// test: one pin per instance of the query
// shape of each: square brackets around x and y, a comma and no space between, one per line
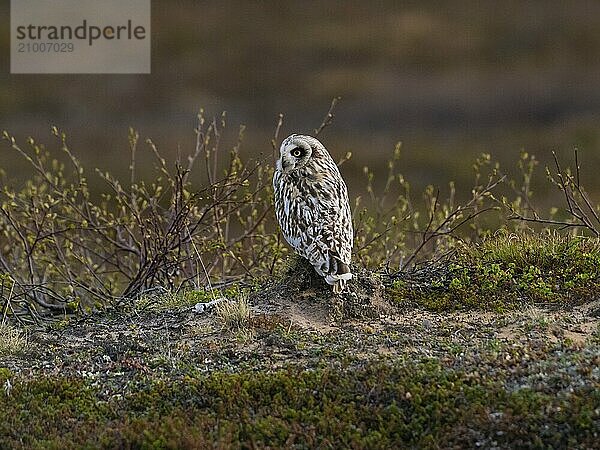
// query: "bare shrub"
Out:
[392,232]
[66,251]
[578,211]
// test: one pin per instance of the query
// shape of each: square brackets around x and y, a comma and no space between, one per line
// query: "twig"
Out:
[578,204]
[328,117]
[275,139]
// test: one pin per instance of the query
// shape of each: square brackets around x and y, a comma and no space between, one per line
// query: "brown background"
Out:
[448,79]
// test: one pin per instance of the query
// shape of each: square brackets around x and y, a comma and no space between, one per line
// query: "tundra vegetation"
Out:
[167,312]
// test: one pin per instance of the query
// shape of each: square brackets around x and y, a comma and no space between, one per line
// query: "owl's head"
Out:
[296,152]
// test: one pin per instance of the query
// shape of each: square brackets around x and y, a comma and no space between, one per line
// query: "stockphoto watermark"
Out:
[84,32]
[80,36]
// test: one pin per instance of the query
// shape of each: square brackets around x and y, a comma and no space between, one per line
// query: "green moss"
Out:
[508,270]
[174,300]
[192,297]
[377,405]
[186,298]
[61,324]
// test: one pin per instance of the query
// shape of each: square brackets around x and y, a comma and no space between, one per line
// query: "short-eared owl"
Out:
[311,204]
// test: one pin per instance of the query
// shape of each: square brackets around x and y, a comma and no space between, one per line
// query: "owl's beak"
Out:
[285,165]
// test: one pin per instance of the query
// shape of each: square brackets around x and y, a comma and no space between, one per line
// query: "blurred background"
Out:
[450,80]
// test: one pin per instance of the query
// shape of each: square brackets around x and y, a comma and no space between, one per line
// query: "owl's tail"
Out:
[338,276]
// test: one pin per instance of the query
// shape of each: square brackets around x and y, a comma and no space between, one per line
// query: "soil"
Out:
[297,320]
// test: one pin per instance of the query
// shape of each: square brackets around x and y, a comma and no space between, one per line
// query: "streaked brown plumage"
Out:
[311,204]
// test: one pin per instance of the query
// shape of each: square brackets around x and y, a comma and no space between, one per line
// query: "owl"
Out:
[311,205]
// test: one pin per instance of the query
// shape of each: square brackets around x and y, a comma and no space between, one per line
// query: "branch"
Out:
[328,117]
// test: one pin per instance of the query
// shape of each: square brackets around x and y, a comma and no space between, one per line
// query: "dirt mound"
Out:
[303,297]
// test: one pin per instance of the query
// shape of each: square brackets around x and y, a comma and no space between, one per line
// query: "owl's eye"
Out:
[296,153]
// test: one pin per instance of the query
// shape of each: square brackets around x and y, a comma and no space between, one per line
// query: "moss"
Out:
[197,296]
[174,300]
[61,324]
[377,405]
[506,271]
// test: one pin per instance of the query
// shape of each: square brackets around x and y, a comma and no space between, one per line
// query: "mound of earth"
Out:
[303,297]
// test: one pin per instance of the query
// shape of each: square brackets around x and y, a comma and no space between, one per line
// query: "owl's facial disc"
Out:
[294,155]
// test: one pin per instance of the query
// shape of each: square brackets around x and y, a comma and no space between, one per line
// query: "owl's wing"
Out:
[331,232]
[336,216]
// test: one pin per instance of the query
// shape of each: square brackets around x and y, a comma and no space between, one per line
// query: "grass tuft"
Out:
[234,315]
[12,340]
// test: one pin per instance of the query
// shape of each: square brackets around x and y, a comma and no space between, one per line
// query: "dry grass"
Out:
[234,315]
[12,340]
